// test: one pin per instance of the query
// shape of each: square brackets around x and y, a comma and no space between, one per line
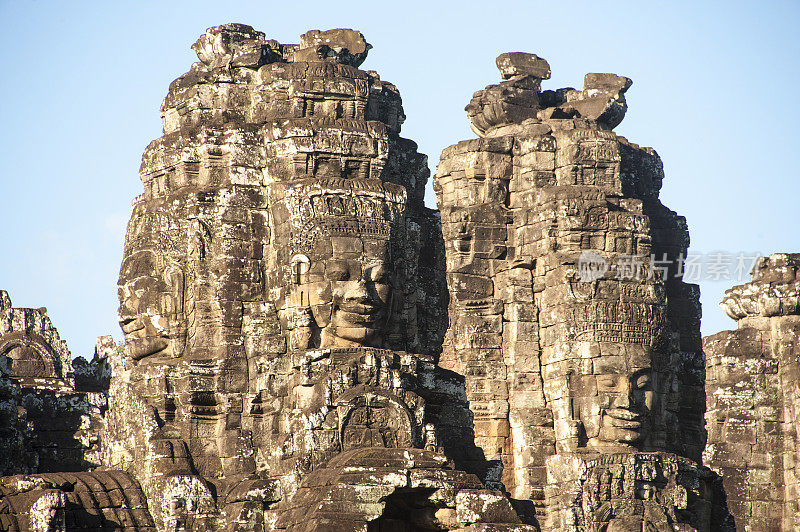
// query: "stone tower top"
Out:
[235,45]
[773,291]
[518,102]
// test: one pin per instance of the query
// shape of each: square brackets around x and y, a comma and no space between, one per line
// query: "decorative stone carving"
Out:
[335,246]
[375,420]
[31,348]
[752,383]
[396,489]
[53,502]
[51,407]
[632,491]
[282,290]
[288,362]
[151,310]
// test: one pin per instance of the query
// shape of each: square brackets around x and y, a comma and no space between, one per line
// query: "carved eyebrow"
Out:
[641,381]
[605,379]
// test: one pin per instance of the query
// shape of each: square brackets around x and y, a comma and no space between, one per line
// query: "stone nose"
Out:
[356,291]
[624,399]
[128,305]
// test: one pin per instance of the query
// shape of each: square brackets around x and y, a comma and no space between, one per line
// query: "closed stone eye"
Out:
[337,272]
[607,382]
[377,273]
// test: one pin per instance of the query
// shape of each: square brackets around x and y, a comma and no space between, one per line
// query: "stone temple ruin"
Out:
[308,347]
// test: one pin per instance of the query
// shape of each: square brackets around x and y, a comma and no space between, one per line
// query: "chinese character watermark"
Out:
[591,266]
[692,268]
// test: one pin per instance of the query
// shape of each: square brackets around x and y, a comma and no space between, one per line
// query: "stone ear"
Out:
[175,281]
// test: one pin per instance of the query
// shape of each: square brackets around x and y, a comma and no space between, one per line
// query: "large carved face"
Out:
[616,402]
[151,306]
[335,239]
[349,292]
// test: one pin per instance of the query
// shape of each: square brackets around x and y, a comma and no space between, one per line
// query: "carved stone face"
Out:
[151,306]
[349,292]
[616,400]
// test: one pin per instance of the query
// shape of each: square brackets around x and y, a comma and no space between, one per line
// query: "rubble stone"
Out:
[518,98]
[519,63]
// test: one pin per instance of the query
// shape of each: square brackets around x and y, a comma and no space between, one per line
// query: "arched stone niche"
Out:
[26,355]
[375,418]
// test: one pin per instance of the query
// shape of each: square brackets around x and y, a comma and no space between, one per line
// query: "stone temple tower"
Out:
[283,300]
[753,386]
[579,340]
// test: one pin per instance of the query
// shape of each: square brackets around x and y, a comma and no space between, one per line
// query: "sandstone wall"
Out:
[753,378]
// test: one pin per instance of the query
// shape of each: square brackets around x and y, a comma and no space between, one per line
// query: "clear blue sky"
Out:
[81,84]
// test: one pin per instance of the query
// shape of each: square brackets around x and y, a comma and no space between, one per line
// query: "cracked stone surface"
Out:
[283,302]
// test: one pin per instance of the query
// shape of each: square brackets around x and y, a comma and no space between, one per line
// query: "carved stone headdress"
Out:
[307,211]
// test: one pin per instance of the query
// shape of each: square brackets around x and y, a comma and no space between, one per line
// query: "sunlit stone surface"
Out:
[308,347]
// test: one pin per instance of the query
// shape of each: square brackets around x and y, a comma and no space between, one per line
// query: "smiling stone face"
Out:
[615,403]
[625,403]
[340,249]
[151,306]
[349,293]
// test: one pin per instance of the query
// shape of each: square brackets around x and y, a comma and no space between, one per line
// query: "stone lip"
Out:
[773,291]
